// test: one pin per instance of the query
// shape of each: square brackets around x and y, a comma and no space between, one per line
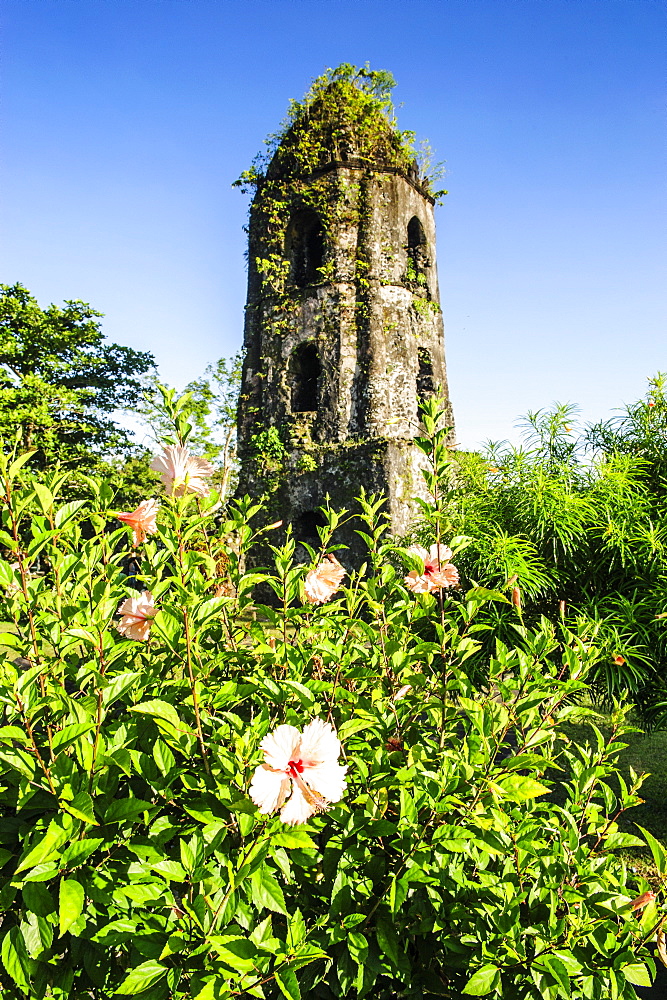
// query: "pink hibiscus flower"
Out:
[137,613]
[141,520]
[182,472]
[323,582]
[303,766]
[438,571]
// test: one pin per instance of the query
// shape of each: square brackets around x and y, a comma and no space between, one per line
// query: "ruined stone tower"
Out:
[344,331]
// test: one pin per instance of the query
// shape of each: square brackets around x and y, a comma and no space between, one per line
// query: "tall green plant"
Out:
[576,521]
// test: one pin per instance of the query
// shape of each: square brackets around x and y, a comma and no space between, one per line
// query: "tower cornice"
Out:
[365,166]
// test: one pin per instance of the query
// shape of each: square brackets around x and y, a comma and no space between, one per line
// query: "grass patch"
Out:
[648,752]
[645,752]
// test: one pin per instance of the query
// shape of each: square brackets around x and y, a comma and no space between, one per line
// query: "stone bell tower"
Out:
[344,332]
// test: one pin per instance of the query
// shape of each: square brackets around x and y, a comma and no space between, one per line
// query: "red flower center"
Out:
[295,766]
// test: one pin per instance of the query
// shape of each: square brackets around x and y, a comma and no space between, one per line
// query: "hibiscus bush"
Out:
[204,796]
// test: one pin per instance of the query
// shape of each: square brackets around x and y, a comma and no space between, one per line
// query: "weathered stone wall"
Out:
[373,306]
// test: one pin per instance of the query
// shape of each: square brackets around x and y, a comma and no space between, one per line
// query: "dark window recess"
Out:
[305,378]
[417,251]
[305,248]
[425,384]
[306,525]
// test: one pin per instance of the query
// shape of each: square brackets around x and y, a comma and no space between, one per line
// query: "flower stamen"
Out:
[313,798]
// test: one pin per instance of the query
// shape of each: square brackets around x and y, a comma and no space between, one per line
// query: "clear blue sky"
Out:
[125,121]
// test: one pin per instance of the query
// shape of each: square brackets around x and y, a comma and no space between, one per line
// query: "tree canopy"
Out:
[61,383]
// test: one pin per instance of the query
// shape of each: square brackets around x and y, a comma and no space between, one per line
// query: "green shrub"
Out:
[577,522]
[473,853]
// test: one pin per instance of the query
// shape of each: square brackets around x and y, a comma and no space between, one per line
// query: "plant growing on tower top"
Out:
[347,114]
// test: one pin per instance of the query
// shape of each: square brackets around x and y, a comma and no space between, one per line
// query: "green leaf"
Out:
[115,932]
[250,580]
[7,577]
[210,607]
[85,635]
[172,871]
[19,463]
[517,788]
[205,811]
[168,626]
[266,891]
[483,981]
[409,815]
[572,966]
[164,758]
[262,934]
[70,734]
[38,899]
[618,839]
[71,900]
[209,991]
[559,971]
[296,930]
[44,872]
[234,950]
[8,734]
[288,984]
[15,958]
[141,978]
[44,496]
[357,946]
[67,512]
[452,838]
[79,851]
[20,761]
[388,940]
[55,836]
[11,641]
[657,850]
[81,806]
[305,696]
[355,725]
[8,542]
[637,974]
[398,890]
[37,933]
[158,709]
[296,839]
[125,809]
[119,686]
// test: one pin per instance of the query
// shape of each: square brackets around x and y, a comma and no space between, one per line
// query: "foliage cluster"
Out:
[63,389]
[132,861]
[61,384]
[211,403]
[577,521]
[346,114]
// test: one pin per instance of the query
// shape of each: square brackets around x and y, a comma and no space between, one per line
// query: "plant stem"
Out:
[193,689]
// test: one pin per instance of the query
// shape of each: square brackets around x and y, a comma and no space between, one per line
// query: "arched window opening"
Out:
[417,252]
[305,248]
[305,372]
[306,525]
[416,237]
[425,383]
